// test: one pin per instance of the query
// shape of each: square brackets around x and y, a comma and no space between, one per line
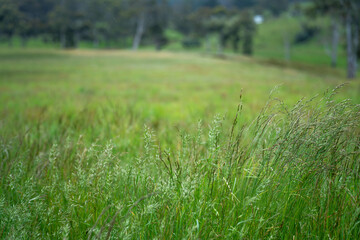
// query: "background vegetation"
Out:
[318,31]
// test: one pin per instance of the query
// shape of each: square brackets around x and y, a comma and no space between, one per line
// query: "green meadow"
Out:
[102,144]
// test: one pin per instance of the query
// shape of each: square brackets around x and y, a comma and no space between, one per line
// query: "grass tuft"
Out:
[290,173]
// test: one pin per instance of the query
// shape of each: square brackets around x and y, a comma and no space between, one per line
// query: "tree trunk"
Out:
[139,31]
[351,56]
[335,42]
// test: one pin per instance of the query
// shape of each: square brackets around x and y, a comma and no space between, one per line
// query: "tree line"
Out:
[70,21]
[132,23]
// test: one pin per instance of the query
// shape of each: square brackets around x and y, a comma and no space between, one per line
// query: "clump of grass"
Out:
[291,173]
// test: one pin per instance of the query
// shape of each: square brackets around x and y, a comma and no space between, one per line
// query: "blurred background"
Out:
[316,32]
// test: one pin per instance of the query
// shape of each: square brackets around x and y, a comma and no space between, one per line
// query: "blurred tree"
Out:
[140,9]
[207,3]
[9,19]
[181,10]
[248,32]
[226,3]
[228,25]
[151,19]
[198,21]
[351,9]
[33,17]
[276,7]
[114,20]
[198,27]
[216,23]
[233,30]
[348,11]
[139,30]
[67,19]
[96,21]
[108,21]
[159,22]
[243,4]
[319,9]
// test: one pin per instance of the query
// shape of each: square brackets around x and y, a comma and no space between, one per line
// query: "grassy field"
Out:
[123,145]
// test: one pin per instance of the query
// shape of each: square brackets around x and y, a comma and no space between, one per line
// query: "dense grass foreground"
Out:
[289,174]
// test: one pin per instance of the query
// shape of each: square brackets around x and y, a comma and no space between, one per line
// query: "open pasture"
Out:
[124,145]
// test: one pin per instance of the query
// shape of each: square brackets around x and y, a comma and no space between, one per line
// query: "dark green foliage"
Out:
[248,31]
[157,21]
[244,4]
[307,33]
[9,18]
[157,32]
[230,26]
[70,22]
[191,43]
[34,16]
[103,22]
[198,21]
[276,7]
[208,3]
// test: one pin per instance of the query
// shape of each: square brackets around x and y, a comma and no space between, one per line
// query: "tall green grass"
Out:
[291,173]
